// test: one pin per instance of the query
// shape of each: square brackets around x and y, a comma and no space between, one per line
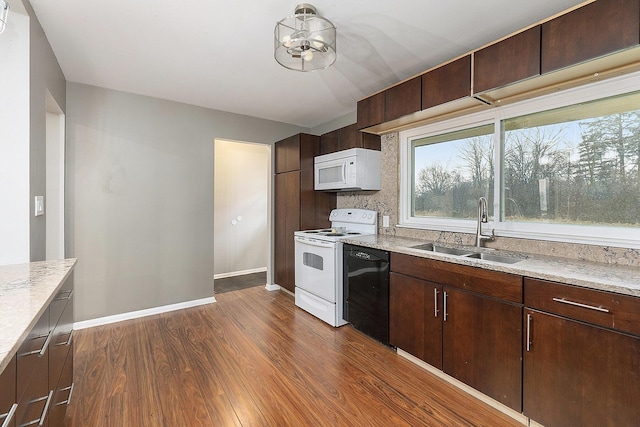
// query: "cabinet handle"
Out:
[528,332]
[435,302]
[63,295]
[42,350]
[444,303]
[66,402]
[577,304]
[9,415]
[45,410]
[68,341]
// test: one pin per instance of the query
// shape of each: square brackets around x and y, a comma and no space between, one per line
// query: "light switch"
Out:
[39,205]
[385,221]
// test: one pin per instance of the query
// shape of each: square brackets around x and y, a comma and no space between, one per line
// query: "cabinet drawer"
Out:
[33,353]
[607,309]
[495,284]
[8,392]
[60,344]
[63,394]
[36,399]
[60,301]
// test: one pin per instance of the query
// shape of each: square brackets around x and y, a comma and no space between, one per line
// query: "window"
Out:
[562,167]
[451,171]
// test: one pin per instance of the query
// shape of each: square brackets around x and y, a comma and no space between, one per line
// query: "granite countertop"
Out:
[606,277]
[25,292]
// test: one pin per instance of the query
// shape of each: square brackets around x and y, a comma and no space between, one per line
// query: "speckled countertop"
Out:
[606,277]
[25,292]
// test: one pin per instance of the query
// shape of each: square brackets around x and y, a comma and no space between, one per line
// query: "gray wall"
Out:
[45,74]
[140,196]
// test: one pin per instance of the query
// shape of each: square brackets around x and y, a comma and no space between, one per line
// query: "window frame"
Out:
[628,237]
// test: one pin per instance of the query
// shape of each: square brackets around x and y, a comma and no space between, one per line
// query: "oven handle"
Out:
[313,242]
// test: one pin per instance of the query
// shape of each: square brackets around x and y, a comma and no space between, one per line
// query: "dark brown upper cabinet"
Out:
[447,83]
[371,111]
[594,30]
[508,61]
[288,154]
[403,99]
[346,138]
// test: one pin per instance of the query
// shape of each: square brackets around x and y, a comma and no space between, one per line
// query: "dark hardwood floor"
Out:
[254,359]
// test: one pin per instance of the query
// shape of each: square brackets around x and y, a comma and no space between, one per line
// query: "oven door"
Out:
[316,267]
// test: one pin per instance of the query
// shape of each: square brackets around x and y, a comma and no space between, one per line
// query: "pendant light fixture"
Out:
[305,41]
[4,12]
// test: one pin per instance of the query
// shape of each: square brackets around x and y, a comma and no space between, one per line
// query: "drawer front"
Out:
[8,393]
[63,394]
[607,309]
[34,404]
[495,284]
[32,353]
[60,301]
[60,344]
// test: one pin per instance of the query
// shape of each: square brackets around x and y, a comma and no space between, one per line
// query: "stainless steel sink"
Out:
[495,258]
[441,249]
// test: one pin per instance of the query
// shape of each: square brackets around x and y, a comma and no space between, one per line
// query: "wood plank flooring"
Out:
[236,283]
[254,359]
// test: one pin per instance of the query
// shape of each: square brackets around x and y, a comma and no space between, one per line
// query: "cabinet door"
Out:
[594,30]
[8,393]
[287,221]
[371,111]
[287,156]
[447,83]
[403,99]
[508,61]
[576,374]
[482,345]
[330,142]
[60,344]
[415,318]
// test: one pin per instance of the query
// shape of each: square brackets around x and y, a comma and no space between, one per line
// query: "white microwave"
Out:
[348,170]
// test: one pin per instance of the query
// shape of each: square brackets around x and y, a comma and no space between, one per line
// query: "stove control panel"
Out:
[356,216]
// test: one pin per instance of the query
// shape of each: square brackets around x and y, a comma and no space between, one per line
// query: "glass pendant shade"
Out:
[305,41]
[4,12]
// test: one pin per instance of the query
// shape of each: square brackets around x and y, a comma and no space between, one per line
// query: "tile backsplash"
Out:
[385,202]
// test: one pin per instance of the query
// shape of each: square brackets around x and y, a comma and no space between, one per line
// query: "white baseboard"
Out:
[464,387]
[272,287]
[239,273]
[141,313]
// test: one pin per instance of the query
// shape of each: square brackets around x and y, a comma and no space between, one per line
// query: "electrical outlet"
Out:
[385,221]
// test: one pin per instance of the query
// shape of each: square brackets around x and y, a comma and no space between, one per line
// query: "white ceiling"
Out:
[220,54]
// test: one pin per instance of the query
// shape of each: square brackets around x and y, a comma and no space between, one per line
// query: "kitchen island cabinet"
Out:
[35,344]
[582,358]
[297,205]
[479,312]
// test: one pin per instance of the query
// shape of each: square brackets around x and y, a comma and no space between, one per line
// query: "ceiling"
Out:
[220,54]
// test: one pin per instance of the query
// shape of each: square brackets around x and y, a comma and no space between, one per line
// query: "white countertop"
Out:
[25,292]
[592,275]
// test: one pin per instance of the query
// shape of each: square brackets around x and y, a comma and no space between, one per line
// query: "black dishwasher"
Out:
[366,290]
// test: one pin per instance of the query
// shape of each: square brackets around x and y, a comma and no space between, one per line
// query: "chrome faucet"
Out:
[482,217]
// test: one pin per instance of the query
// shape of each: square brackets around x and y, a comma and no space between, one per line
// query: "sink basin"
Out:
[494,258]
[441,249]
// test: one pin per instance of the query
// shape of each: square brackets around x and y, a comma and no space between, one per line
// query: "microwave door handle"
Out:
[344,172]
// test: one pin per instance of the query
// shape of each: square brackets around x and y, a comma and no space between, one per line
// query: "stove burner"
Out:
[333,234]
[353,232]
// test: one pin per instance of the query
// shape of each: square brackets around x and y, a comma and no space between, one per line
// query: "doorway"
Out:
[242,194]
[54,192]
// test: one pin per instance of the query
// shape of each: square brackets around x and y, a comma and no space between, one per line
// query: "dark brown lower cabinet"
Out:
[8,399]
[469,323]
[63,393]
[415,323]
[576,374]
[482,344]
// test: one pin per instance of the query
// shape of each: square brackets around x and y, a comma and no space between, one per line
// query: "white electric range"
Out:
[318,262]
